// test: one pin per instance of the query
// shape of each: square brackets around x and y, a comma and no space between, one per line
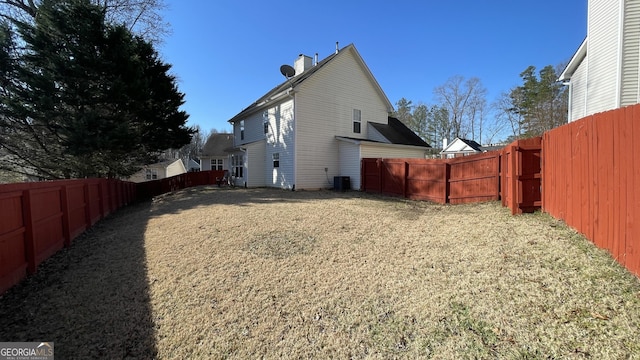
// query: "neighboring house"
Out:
[463,147]
[215,153]
[603,73]
[318,124]
[193,165]
[161,170]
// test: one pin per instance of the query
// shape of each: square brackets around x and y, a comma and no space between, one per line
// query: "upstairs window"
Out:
[276,160]
[265,121]
[241,129]
[357,120]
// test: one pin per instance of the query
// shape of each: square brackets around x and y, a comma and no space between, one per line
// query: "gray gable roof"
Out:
[398,133]
[472,144]
[217,144]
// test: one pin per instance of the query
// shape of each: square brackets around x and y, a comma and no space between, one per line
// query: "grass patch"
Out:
[251,273]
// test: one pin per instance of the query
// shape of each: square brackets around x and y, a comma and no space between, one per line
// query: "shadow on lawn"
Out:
[91,299]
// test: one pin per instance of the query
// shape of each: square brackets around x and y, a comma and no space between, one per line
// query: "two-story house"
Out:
[603,73]
[318,124]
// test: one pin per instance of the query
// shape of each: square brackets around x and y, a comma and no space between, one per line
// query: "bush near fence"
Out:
[38,219]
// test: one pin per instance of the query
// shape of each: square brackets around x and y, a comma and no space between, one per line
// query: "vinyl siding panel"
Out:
[390,151]
[253,129]
[175,168]
[254,164]
[579,92]
[630,53]
[603,55]
[324,109]
[280,139]
[349,154]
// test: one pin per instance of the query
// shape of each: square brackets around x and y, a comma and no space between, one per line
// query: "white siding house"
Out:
[215,155]
[317,125]
[603,73]
[159,170]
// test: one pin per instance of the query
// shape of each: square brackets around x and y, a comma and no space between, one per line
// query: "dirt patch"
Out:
[248,273]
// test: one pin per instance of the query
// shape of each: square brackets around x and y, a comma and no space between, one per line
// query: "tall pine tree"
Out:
[89,99]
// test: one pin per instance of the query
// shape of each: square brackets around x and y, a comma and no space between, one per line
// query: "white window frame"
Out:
[217,164]
[237,166]
[357,121]
[151,174]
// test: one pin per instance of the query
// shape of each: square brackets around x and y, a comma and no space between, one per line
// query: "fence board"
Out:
[13,262]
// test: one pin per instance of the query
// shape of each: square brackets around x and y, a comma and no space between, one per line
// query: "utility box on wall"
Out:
[341,183]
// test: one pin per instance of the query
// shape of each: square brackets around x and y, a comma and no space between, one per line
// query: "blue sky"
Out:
[227,53]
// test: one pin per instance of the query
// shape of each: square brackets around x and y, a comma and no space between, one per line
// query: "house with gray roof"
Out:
[216,152]
[463,147]
[317,124]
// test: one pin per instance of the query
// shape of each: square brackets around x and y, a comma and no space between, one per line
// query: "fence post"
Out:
[380,174]
[405,180]
[514,180]
[87,205]
[447,186]
[29,241]
[66,221]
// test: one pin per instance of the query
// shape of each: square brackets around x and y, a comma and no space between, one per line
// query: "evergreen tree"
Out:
[89,99]
[540,101]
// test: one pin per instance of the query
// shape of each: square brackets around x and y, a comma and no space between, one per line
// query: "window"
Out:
[151,174]
[265,121]
[237,165]
[276,160]
[217,164]
[357,120]
[241,129]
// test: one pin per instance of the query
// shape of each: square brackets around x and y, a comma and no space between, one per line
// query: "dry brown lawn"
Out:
[258,273]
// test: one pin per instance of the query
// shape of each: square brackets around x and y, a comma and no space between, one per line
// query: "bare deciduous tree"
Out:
[141,17]
[462,98]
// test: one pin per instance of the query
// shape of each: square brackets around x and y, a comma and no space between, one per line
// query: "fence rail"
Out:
[39,219]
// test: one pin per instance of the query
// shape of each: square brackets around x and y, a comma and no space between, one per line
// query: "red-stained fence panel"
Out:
[592,180]
[13,261]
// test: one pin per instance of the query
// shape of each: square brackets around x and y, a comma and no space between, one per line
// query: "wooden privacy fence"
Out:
[456,181]
[38,219]
[149,189]
[512,174]
[591,180]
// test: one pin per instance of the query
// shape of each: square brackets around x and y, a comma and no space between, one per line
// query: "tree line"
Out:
[81,94]
[461,109]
